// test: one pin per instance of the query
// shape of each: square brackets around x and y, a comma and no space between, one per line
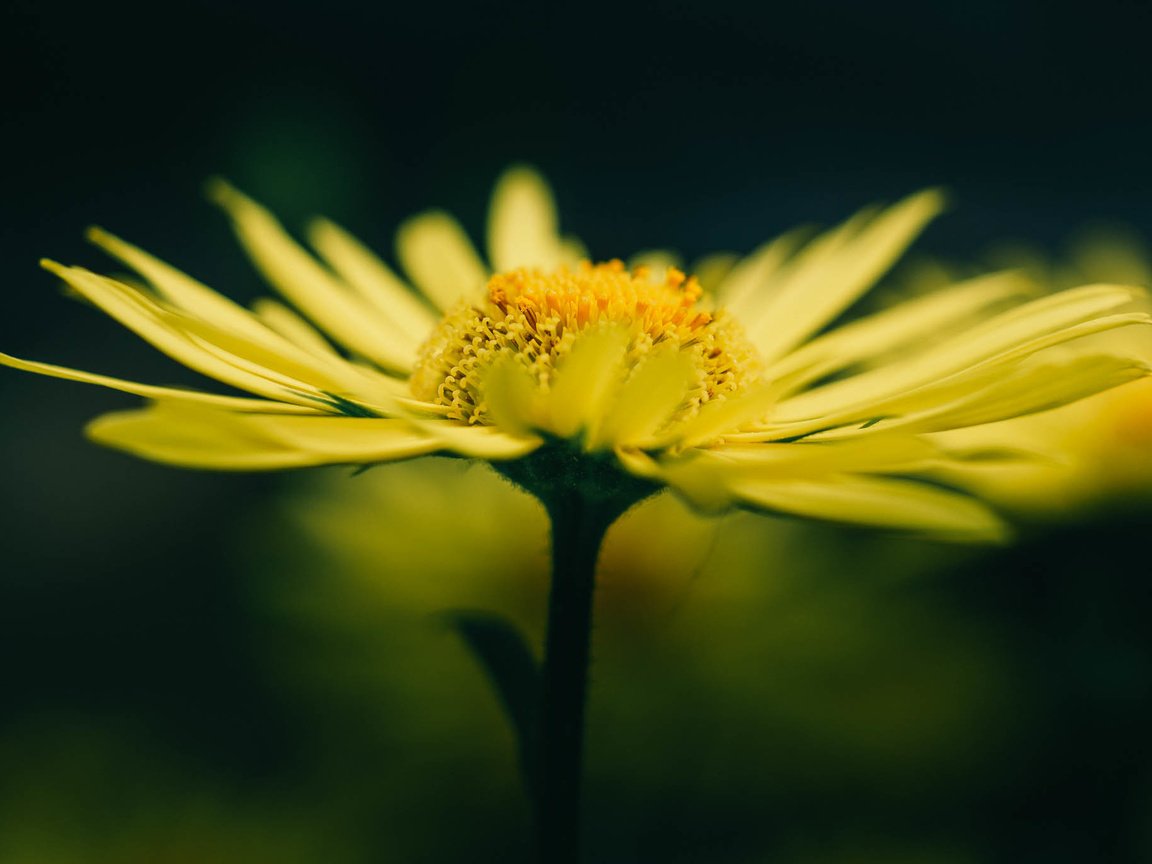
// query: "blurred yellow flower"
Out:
[498,555]
[733,399]
[1097,452]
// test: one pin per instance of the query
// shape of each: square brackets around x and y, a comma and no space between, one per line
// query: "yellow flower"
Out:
[549,365]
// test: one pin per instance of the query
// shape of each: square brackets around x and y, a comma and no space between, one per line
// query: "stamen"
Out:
[536,316]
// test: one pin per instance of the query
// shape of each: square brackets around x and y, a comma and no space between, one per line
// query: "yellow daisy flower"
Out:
[551,366]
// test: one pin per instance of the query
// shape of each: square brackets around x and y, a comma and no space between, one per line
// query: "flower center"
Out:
[538,316]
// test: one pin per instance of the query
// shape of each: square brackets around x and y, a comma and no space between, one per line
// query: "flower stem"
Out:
[578,528]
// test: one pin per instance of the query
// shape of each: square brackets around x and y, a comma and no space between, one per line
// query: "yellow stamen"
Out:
[536,316]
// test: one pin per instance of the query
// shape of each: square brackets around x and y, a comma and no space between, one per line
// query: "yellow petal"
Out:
[285,362]
[904,324]
[141,315]
[883,502]
[182,290]
[645,401]
[1007,337]
[696,480]
[367,383]
[294,328]
[585,379]
[512,397]
[319,294]
[707,478]
[749,277]
[149,391]
[1052,313]
[374,281]
[438,256]
[987,389]
[198,437]
[894,451]
[522,223]
[479,442]
[274,358]
[821,284]
[1037,387]
[331,377]
[728,415]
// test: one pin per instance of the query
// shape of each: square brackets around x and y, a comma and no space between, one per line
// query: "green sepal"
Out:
[559,470]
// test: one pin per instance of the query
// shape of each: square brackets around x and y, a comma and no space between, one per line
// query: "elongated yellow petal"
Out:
[149,391]
[894,451]
[183,291]
[479,442]
[750,276]
[375,282]
[1048,315]
[361,381]
[644,402]
[723,416]
[135,312]
[294,328]
[522,224]
[584,381]
[923,318]
[1011,336]
[438,256]
[319,294]
[773,269]
[199,437]
[285,359]
[954,395]
[819,286]
[707,478]
[340,378]
[692,477]
[883,502]
[513,399]
[1037,387]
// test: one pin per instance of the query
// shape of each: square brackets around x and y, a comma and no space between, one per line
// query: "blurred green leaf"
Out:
[508,661]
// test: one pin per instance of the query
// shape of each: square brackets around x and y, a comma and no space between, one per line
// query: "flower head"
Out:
[552,366]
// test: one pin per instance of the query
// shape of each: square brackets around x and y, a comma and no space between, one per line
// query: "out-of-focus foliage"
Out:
[763,690]
[99,791]
[745,670]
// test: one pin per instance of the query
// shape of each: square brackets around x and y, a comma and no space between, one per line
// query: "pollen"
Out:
[536,316]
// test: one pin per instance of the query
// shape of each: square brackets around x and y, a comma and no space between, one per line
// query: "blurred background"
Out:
[214,668]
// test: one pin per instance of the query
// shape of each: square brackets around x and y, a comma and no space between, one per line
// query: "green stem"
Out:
[583,493]
[578,527]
